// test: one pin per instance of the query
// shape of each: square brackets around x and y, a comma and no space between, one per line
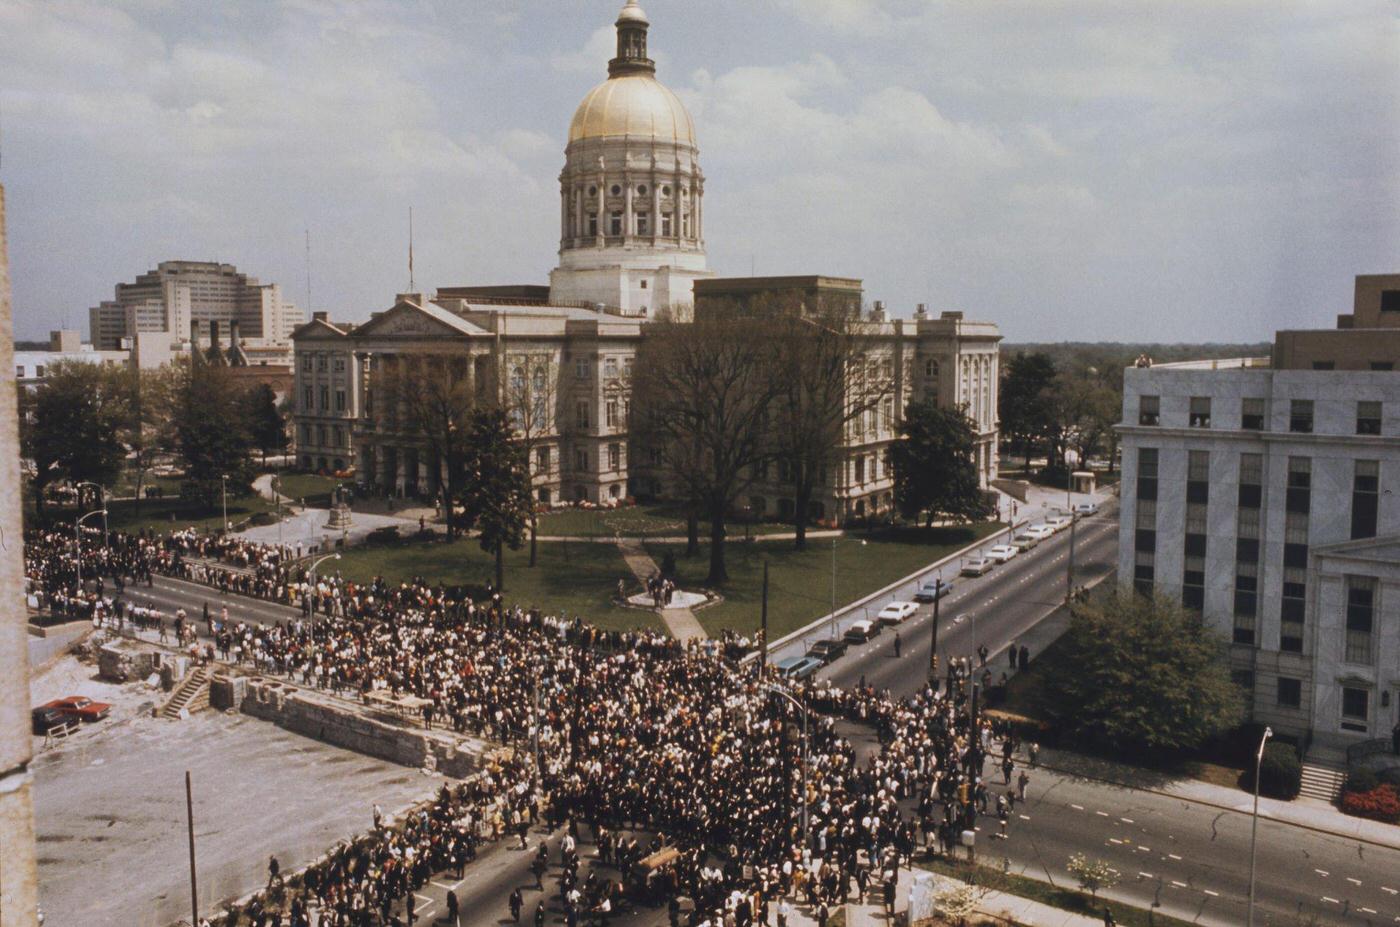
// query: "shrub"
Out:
[1280,773]
[1391,776]
[262,518]
[1380,804]
[1362,779]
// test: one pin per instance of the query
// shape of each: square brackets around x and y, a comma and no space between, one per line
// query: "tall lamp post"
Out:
[311,574]
[223,483]
[78,541]
[933,643]
[1254,827]
[802,708]
[1071,458]
[102,497]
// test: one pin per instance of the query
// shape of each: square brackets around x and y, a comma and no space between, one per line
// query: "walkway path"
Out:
[681,622]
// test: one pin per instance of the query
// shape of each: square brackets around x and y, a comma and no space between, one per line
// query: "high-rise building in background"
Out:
[196,300]
[1256,491]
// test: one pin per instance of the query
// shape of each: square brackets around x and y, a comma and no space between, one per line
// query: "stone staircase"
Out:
[190,695]
[1323,779]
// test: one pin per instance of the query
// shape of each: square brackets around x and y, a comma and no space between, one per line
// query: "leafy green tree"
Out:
[211,434]
[150,432]
[496,494]
[1140,673]
[73,425]
[932,461]
[1025,407]
[267,426]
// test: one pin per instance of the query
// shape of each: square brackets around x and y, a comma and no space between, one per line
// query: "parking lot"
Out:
[110,812]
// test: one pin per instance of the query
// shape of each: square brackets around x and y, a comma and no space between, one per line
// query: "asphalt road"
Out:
[995,610]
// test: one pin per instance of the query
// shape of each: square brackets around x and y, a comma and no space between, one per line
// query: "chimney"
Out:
[878,313]
[921,312]
[233,334]
[320,316]
[194,333]
[214,334]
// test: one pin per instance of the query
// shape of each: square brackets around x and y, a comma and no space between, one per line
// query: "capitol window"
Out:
[642,189]
[666,191]
[593,223]
[615,224]
[616,190]
[642,223]
[665,223]
[592,191]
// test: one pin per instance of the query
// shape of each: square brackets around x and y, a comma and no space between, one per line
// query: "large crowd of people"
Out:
[633,730]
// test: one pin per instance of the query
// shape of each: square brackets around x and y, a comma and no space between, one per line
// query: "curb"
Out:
[1211,804]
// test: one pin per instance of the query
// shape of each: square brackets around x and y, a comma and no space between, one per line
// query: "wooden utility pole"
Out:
[189,821]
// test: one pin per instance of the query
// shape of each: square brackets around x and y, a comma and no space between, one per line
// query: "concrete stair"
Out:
[1323,779]
[191,695]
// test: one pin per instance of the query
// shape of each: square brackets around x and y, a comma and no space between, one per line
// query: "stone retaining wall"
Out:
[341,725]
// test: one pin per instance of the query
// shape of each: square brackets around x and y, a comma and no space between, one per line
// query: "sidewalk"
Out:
[681,622]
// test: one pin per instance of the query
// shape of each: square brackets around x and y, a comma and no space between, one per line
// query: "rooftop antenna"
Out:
[410,249]
[308,270]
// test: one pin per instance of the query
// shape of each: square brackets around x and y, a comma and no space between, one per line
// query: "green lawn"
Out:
[799,583]
[309,487]
[638,521]
[578,579]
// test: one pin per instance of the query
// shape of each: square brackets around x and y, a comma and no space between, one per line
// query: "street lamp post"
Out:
[1254,827]
[933,643]
[1071,458]
[102,497]
[223,482]
[78,541]
[311,574]
[802,708]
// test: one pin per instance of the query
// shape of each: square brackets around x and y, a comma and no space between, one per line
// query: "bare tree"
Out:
[825,382]
[438,396]
[531,407]
[702,391]
[150,432]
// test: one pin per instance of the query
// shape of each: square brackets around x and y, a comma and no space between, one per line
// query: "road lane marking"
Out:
[1332,900]
[1147,875]
[1370,910]
[1173,856]
[1024,817]
[1211,893]
[1102,814]
[1077,807]
[1178,884]
[1390,890]
[1115,840]
[444,885]
[1127,820]
[1322,872]
[1144,849]
[1353,881]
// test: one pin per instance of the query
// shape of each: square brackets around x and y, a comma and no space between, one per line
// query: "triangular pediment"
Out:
[410,320]
[1381,550]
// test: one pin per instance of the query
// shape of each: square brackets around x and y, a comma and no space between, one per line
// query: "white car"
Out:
[1039,532]
[1058,522]
[1024,542]
[1001,553]
[1085,509]
[977,566]
[897,612]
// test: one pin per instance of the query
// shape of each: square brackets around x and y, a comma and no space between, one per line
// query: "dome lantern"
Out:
[631,57]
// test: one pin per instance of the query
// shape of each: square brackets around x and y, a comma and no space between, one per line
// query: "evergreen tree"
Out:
[267,426]
[934,472]
[1025,406]
[211,434]
[496,494]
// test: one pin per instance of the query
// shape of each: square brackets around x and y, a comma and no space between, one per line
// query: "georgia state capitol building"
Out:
[632,245]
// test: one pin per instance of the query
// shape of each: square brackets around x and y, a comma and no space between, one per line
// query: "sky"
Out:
[1089,170]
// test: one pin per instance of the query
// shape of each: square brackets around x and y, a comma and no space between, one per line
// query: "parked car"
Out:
[1085,509]
[1039,531]
[977,566]
[1024,542]
[80,707]
[861,631]
[1058,522]
[828,649]
[52,721]
[806,666]
[1002,553]
[897,612]
[931,589]
[785,667]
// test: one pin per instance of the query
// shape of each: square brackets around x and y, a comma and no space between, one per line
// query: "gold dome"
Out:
[634,105]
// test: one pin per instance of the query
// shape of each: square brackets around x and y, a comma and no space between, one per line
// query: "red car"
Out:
[80,707]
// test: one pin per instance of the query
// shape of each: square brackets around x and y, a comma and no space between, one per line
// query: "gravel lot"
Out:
[109,805]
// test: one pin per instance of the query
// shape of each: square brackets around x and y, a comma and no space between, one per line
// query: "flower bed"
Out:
[1381,803]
